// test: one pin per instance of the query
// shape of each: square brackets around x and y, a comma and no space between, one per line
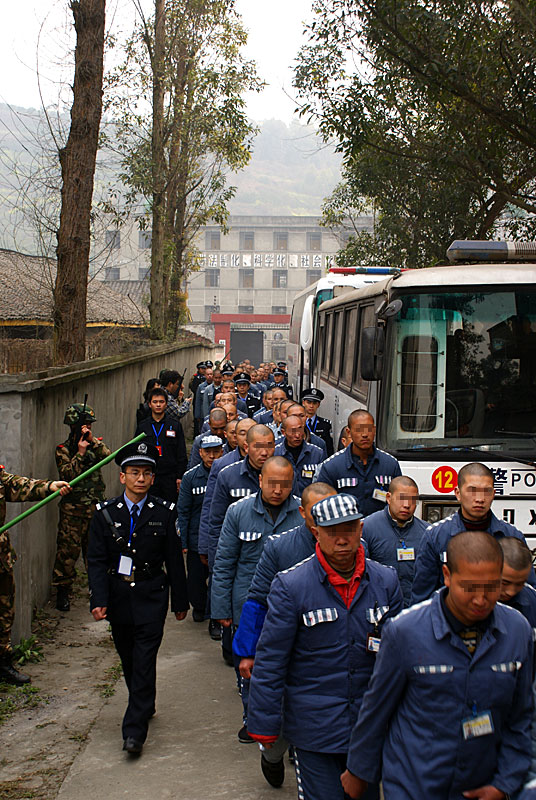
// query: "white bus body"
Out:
[455,378]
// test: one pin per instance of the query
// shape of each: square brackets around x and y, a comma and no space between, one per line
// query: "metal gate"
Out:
[247,344]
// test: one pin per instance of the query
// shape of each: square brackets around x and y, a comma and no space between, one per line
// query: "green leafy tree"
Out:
[185,64]
[434,161]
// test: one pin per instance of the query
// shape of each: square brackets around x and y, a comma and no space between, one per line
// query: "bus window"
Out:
[367,320]
[336,346]
[418,385]
[349,348]
[326,344]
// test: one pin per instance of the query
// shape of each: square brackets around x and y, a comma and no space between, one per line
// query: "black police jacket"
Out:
[154,542]
[173,459]
[322,427]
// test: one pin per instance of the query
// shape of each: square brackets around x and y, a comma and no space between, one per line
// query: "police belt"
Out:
[138,575]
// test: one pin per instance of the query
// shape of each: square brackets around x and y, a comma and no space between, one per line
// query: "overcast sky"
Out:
[275,35]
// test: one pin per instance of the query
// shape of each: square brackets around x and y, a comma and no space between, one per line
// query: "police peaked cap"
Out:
[282,364]
[209,364]
[137,454]
[279,371]
[242,377]
[200,365]
[312,394]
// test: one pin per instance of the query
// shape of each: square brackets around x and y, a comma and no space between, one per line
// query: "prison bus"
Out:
[445,360]
[304,316]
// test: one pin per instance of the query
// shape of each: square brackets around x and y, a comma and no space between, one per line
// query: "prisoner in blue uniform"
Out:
[217,421]
[515,592]
[393,535]
[448,708]
[189,505]
[318,647]
[361,469]
[304,457]
[475,494]
[246,526]
[238,480]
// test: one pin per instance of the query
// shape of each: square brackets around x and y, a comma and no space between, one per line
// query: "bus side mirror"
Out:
[372,347]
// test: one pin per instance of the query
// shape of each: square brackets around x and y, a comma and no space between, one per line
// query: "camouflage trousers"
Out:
[7,608]
[73,529]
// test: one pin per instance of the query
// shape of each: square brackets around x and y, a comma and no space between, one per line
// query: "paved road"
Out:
[192,750]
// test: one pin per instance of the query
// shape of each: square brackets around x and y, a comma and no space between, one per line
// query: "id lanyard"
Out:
[309,424]
[158,447]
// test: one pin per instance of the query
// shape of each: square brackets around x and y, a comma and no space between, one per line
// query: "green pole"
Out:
[74,481]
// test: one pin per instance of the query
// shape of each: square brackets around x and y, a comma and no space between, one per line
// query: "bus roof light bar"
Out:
[474,250]
[364,271]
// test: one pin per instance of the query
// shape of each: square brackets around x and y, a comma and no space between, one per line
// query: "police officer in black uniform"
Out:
[132,539]
[280,380]
[252,401]
[194,384]
[310,400]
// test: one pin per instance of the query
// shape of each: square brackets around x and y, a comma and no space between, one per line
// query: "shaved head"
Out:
[473,547]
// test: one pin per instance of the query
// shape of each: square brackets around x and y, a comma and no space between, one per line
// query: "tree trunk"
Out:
[157,304]
[77,160]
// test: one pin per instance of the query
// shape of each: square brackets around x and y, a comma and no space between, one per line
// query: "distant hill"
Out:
[290,173]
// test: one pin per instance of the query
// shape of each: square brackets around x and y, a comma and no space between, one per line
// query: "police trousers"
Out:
[137,646]
[318,776]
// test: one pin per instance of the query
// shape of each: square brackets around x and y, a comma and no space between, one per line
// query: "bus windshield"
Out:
[462,372]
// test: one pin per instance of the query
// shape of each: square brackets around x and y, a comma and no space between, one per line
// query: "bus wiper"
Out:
[469,448]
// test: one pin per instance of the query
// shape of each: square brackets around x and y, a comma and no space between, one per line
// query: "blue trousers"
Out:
[318,776]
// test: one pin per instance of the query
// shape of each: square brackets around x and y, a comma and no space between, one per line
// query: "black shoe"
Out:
[243,736]
[8,674]
[62,599]
[132,746]
[273,772]
[228,658]
[198,616]
[214,628]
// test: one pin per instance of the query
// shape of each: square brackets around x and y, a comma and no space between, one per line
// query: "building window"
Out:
[145,239]
[246,278]
[279,352]
[143,273]
[314,242]
[212,278]
[112,274]
[212,240]
[247,240]
[279,279]
[213,309]
[279,309]
[113,239]
[313,275]
[245,310]
[280,240]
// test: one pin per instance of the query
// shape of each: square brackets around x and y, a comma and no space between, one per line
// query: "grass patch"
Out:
[12,790]
[28,651]
[13,698]
[112,675]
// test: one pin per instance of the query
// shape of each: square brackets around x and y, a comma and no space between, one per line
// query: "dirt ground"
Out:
[42,728]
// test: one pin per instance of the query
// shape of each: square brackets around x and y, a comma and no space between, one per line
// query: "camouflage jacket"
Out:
[92,489]
[16,489]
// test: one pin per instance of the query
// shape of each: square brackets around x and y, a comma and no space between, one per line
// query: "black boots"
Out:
[62,599]
[8,673]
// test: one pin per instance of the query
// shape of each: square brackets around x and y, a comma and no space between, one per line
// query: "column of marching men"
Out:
[369,648]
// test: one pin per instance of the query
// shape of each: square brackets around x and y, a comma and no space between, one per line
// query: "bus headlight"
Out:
[433,513]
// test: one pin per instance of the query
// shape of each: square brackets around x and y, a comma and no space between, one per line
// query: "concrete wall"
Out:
[32,408]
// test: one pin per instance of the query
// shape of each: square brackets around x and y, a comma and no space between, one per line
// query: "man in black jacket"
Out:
[131,539]
[167,436]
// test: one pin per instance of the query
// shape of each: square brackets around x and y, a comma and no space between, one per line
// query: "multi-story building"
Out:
[247,277]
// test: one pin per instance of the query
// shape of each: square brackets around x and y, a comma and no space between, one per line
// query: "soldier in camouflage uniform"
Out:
[15,489]
[77,454]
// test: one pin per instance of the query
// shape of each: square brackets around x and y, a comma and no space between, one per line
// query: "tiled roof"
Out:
[26,285]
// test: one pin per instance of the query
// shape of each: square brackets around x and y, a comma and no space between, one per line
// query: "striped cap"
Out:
[210,441]
[336,509]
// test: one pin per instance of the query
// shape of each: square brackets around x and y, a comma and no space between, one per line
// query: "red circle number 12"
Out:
[444,479]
